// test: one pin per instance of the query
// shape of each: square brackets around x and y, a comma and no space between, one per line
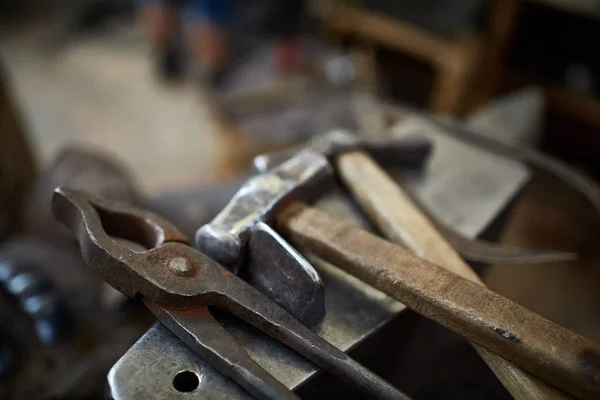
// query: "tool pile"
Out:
[177,281]
[262,258]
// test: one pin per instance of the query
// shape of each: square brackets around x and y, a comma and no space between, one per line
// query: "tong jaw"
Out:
[163,273]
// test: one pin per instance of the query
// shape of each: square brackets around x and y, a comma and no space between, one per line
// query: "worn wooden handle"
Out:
[482,316]
[401,221]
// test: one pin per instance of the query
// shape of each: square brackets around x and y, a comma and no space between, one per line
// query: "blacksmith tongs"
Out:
[177,282]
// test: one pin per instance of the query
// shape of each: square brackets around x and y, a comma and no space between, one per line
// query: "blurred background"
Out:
[164,102]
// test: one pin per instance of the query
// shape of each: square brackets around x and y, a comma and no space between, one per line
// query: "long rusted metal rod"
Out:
[539,346]
[400,220]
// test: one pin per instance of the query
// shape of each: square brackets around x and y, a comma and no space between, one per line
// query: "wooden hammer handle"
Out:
[401,221]
[482,316]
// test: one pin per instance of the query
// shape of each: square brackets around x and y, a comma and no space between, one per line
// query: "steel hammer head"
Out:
[302,177]
[273,266]
[405,151]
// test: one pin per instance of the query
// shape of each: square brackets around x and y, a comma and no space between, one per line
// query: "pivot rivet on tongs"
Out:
[181,266]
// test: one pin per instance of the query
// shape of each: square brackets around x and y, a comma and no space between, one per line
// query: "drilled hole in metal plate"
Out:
[186,381]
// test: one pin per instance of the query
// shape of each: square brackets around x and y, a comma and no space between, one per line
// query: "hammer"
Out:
[493,322]
[294,284]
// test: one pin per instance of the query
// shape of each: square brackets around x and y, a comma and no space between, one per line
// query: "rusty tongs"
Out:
[177,282]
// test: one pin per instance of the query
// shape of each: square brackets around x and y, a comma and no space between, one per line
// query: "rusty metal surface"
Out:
[354,312]
[147,370]
[178,282]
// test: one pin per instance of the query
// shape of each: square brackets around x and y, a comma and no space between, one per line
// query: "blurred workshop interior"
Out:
[164,104]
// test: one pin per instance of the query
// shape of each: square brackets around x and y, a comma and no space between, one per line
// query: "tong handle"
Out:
[209,339]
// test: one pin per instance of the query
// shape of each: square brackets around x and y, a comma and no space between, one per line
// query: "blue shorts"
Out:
[212,11]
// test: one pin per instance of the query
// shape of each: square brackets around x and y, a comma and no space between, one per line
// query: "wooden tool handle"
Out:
[401,221]
[482,316]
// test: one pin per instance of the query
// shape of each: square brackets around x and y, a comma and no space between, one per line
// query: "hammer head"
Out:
[303,177]
[407,152]
[272,265]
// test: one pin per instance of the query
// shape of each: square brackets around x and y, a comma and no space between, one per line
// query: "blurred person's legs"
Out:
[209,22]
[161,19]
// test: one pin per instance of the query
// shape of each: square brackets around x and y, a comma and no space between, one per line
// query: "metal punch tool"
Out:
[177,282]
